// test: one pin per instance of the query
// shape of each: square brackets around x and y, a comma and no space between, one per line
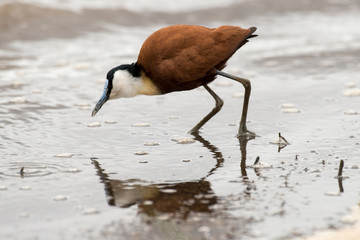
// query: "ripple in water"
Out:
[33,169]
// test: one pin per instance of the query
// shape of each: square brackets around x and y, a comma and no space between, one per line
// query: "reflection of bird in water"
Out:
[179,199]
[179,58]
[214,150]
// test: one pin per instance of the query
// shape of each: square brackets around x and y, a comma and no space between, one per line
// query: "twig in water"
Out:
[257,160]
[341,166]
[283,140]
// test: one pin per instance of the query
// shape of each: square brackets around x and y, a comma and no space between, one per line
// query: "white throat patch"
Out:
[124,85]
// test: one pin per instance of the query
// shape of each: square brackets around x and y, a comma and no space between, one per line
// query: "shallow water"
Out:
[122,175]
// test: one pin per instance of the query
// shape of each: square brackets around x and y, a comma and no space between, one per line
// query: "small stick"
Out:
[341,168]
[22,172]
[341,187]
[282,139]
[257,160]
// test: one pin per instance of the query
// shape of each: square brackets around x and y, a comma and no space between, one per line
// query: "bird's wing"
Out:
[184,53]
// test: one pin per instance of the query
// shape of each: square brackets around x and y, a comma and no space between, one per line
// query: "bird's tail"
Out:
[252,29]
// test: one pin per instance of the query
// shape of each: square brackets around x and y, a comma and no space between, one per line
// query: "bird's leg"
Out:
[218,105]
[243,131]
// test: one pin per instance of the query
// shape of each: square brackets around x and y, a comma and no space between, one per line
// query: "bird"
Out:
[180,58]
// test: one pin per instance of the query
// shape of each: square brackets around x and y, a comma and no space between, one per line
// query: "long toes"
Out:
[194,131]
[246,134]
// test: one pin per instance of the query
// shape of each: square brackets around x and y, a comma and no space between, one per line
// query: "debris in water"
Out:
[186,160]
[64,155]
[18,100]
[90,211]
[350,84]
[59,198]
[288,105]
[350,219]
[151,144]
[26,188]
[315,170]
[141,153]
[37,91]
[341,166]
[340,177]
[291,110]
[143,161]
[238,95]
[332,194]
[22,172]
[111,121]
[183,140]
[350,112]
[94,124]
[351,92]
[140,125]
[260,164]
[281,141]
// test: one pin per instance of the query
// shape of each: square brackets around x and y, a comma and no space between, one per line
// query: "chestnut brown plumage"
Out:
[178,58]
[184,57]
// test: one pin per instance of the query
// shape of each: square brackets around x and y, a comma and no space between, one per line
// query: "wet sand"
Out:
[133,171]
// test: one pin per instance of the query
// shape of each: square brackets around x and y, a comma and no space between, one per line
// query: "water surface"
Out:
[127,178]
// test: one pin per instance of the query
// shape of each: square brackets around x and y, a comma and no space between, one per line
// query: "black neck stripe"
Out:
[134,69]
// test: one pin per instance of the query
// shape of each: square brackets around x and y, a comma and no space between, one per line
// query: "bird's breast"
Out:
[147,86]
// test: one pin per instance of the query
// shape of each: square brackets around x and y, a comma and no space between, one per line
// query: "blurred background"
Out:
[65,175]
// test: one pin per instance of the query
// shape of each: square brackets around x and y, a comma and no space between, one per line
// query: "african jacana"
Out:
[179,58]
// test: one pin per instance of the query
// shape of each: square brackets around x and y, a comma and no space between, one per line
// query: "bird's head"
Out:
[121,81]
